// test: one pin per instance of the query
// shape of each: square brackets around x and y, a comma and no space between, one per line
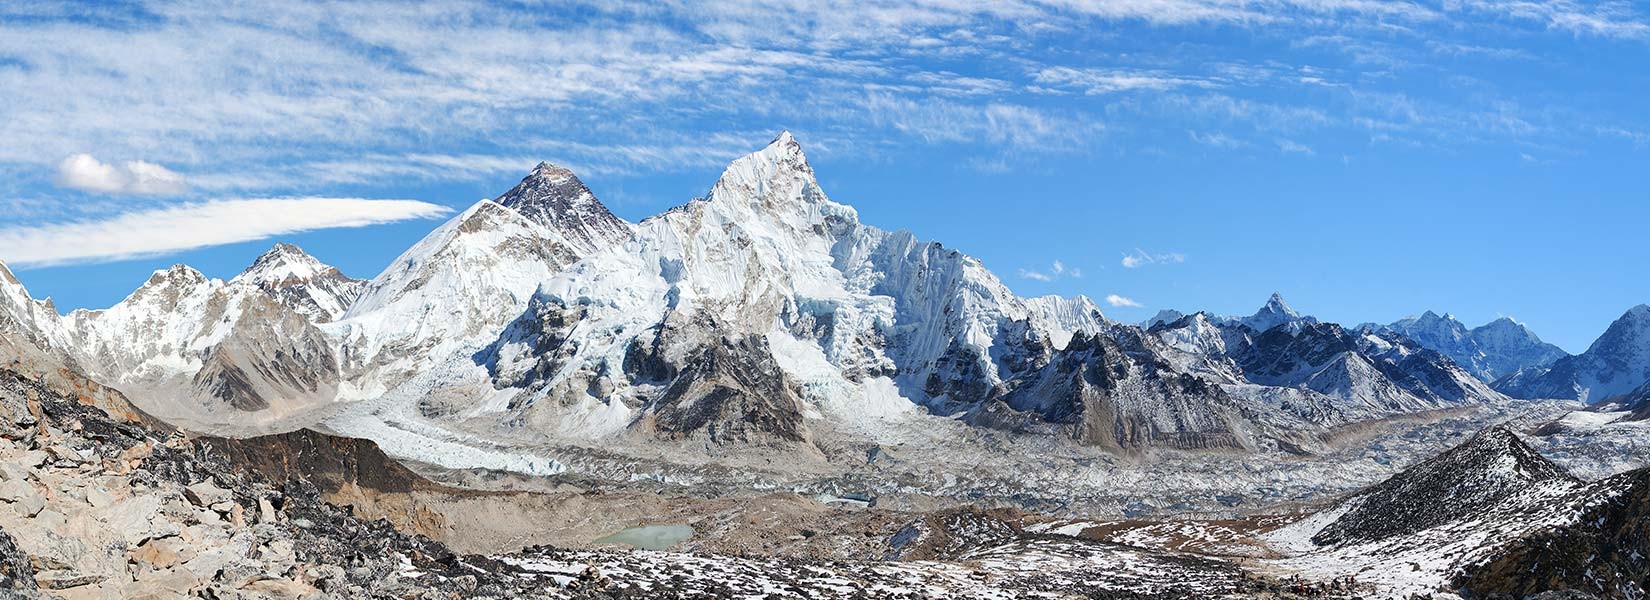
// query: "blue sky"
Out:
[1369,159]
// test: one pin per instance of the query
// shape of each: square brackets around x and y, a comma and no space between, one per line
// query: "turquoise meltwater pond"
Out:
[650,537]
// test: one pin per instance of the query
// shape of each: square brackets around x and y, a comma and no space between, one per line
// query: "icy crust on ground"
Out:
[941,462]
[1029,567]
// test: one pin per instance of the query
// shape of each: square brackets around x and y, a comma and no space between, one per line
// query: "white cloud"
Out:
[1294,147]
[1117,301]
[1055,271]
[86,173]
[191,226]
[1140,258]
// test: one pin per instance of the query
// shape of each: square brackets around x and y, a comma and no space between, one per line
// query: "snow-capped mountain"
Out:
[1272,314]
[761,314]
[1167,315]
[1317,370]
[207,353]
[28,325]
[301,282]
[840,320]
[453,292]
[33,337]
[1490,352]
[225,356]
[1616,363]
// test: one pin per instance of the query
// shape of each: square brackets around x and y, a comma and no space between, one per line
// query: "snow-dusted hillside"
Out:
[1491,516]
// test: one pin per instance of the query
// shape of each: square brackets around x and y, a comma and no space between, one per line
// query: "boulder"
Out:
[23,496]
[139,519]
[61,579]
[205,494]
[99,497]
[163,553]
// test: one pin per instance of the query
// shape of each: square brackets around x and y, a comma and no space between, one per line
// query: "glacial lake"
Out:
[649,537]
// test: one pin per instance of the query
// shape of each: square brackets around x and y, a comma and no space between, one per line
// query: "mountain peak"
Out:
[283,264]
[781,156]
[1627,339]
[548,193]
[554,197]
[1276,312]
[5,274]
[177,273]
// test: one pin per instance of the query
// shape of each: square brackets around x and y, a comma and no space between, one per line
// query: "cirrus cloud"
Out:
[196,225]
[1140,258]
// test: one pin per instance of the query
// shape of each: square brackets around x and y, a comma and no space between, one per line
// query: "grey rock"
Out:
[65,578]
[205,494]
[23,496]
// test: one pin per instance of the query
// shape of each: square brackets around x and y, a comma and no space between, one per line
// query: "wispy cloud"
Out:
[1294,147]
[197,225]
[86,173]
[1056,270]
[1140,258]
[1105,81]
[1117,301]
[300,94]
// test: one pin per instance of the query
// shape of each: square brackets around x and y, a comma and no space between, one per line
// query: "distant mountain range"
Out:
[761,316]
[1491,351]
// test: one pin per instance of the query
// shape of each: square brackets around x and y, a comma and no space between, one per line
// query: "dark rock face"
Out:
[326,461]
[554,197]
[15,571]
[949,534]
[730,391]
[546,328]
[276,356]
[1115,393]
[1638,403]
[1605,553]
[1469,480]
